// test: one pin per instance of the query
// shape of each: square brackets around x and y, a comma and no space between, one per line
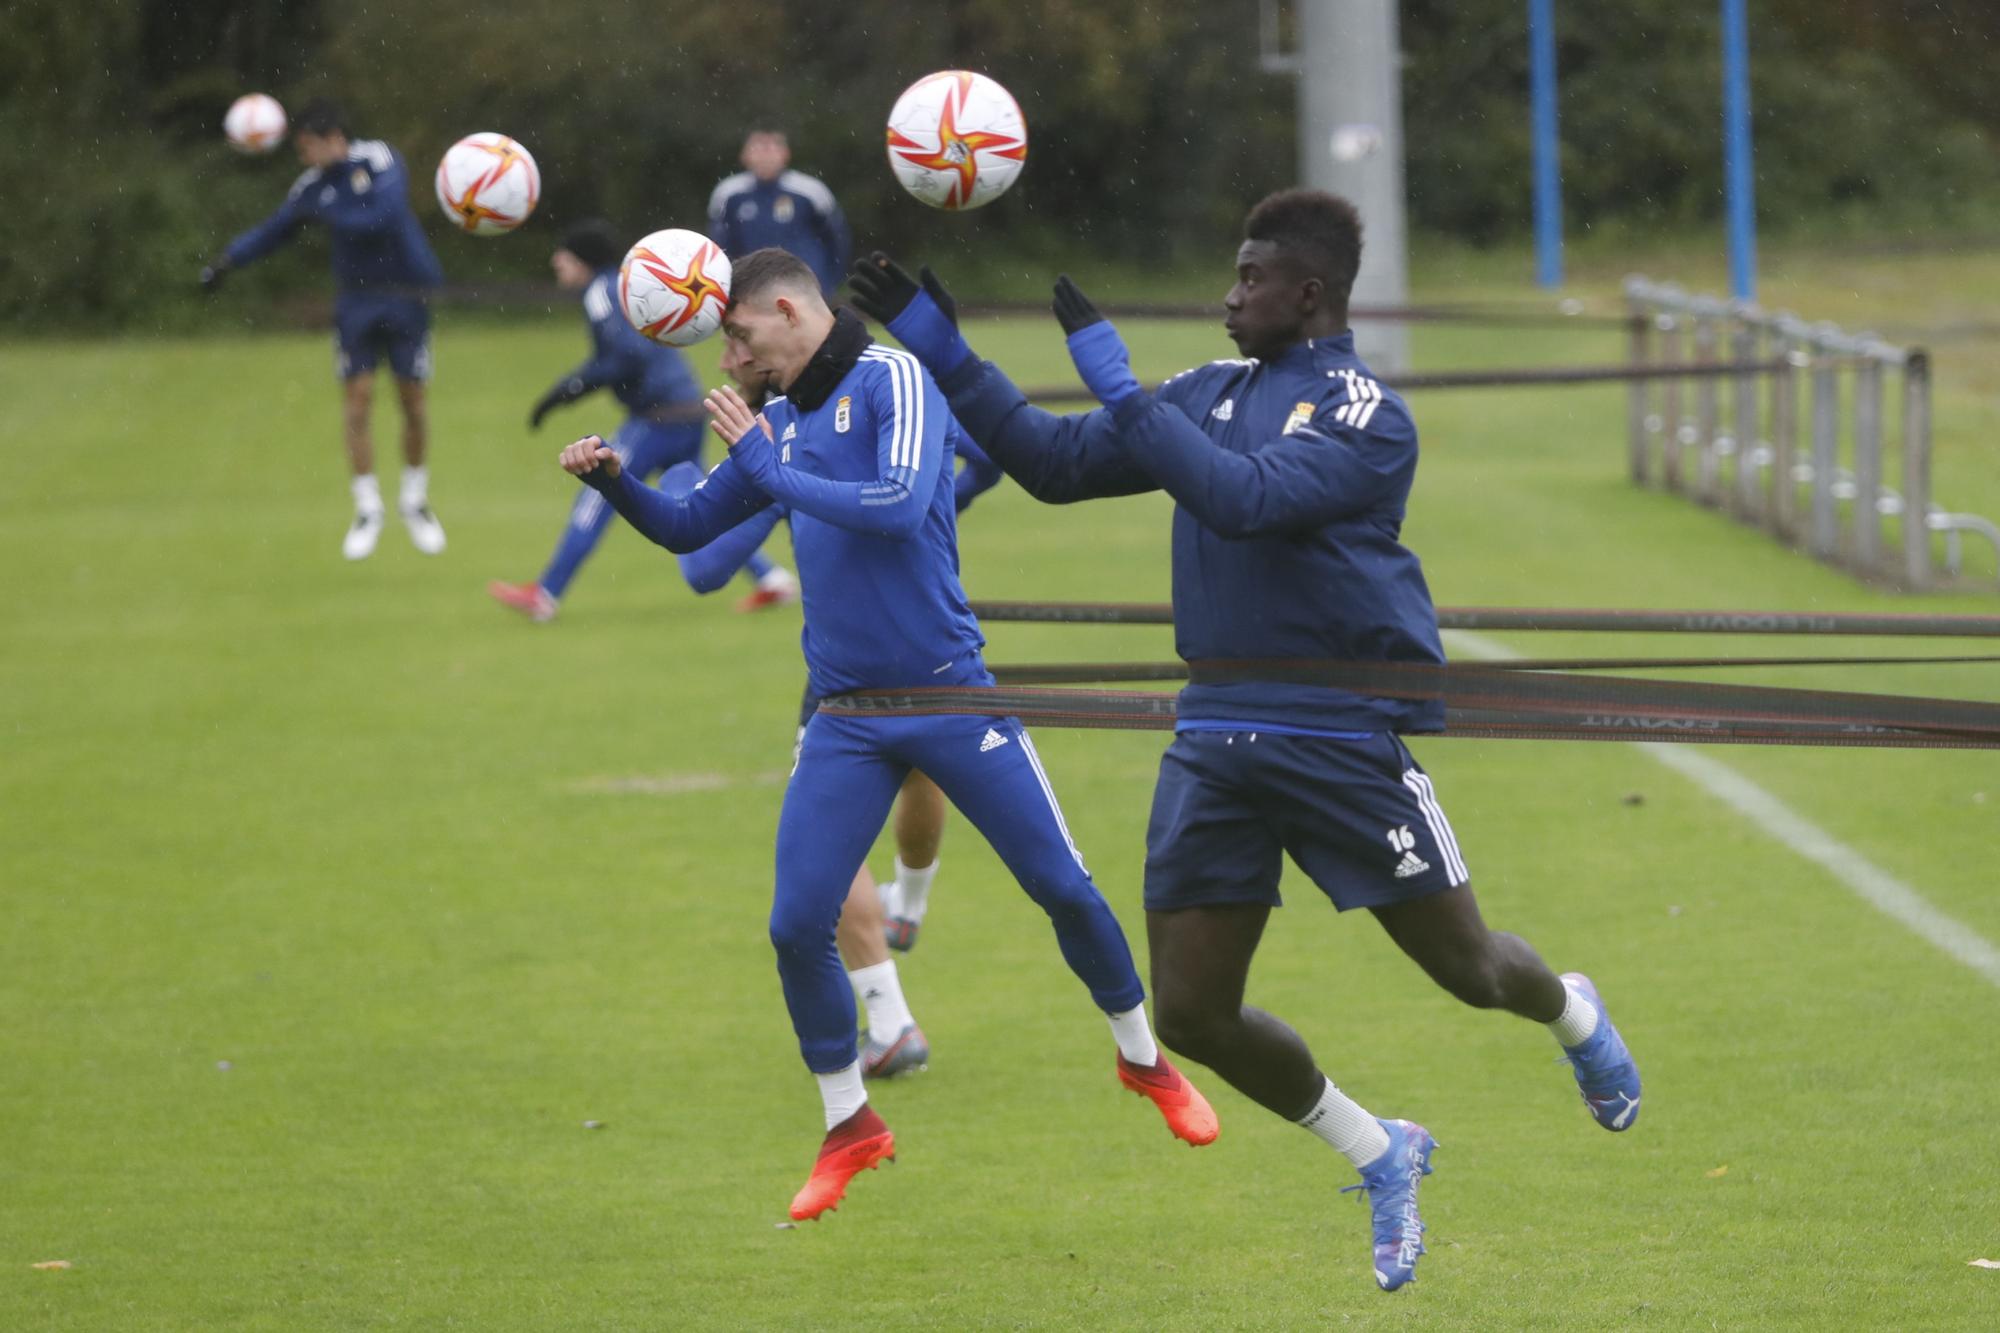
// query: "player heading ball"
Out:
[383,271]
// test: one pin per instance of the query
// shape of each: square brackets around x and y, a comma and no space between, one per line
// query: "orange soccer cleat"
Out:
[530,599]
[1187,1112]
[859,1143]
[778,587]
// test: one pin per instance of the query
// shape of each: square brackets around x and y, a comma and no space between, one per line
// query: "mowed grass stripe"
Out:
[1860,876]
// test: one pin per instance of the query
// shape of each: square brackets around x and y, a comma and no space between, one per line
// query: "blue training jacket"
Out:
[365,204]
[857,469]
[1290,479]
[640,373]
[796,213]
[710,568]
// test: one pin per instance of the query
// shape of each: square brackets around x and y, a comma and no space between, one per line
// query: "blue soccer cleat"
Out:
[1391,1181]
[1605,1071]
[889,1058]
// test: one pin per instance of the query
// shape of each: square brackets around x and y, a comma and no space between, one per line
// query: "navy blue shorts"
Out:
[1358,816]
[368,327]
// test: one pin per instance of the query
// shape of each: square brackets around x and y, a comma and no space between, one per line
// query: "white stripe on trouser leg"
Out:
[588,506]
[1035,762]
[1442,826]
[1454,866]
[1445,825]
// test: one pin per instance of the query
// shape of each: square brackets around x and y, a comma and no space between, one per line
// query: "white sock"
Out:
[1354,1134]
[1577,1020]
[1134,1036]
[842,1092]
[881,994]
[367,494]
[416,487]
[913,889]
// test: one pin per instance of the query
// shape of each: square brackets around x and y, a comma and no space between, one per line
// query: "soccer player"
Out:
[665,426]
[768,204]
[382,269]
[854,449]
[875,918]
[1290,469]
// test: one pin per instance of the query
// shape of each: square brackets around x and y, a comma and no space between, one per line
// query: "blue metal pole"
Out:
[1738,181]
[1548,164]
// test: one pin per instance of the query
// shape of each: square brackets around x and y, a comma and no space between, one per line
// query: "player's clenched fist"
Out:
[587,455]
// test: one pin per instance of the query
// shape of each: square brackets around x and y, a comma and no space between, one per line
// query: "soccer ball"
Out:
[674,286]
[956,140]
[487,184]
[255,123]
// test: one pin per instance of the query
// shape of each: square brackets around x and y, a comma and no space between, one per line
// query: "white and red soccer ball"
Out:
[957,140]
[674,286]
[488,184]
[255,123]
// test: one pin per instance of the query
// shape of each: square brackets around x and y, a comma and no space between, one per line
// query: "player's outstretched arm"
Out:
[909,456]
[923,316]
[1056,459]
[979,475]
[617,352]
[565,390]
[680,523]
[1309,476]
[712,567]
[269,234]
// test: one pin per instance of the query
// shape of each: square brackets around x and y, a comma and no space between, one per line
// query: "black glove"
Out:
[1073,309]
[882,289]
[939,294]
[566,391]
[213,273]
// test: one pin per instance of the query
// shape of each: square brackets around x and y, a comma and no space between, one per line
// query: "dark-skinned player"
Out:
[1290,469]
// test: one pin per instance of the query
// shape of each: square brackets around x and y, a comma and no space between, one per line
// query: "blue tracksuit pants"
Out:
[846,778]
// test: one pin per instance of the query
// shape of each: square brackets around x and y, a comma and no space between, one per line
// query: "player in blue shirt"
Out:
[854,449]
[1290,469]
[383,269]
[866,931]
[768,204]
[875,919]
[653,383]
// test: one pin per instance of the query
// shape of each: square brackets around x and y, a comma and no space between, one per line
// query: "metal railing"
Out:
[1801,440]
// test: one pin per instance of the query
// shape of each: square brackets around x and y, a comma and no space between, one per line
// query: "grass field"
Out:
[338,900]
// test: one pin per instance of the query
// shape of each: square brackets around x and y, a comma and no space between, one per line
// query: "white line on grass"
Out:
[1866,880]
